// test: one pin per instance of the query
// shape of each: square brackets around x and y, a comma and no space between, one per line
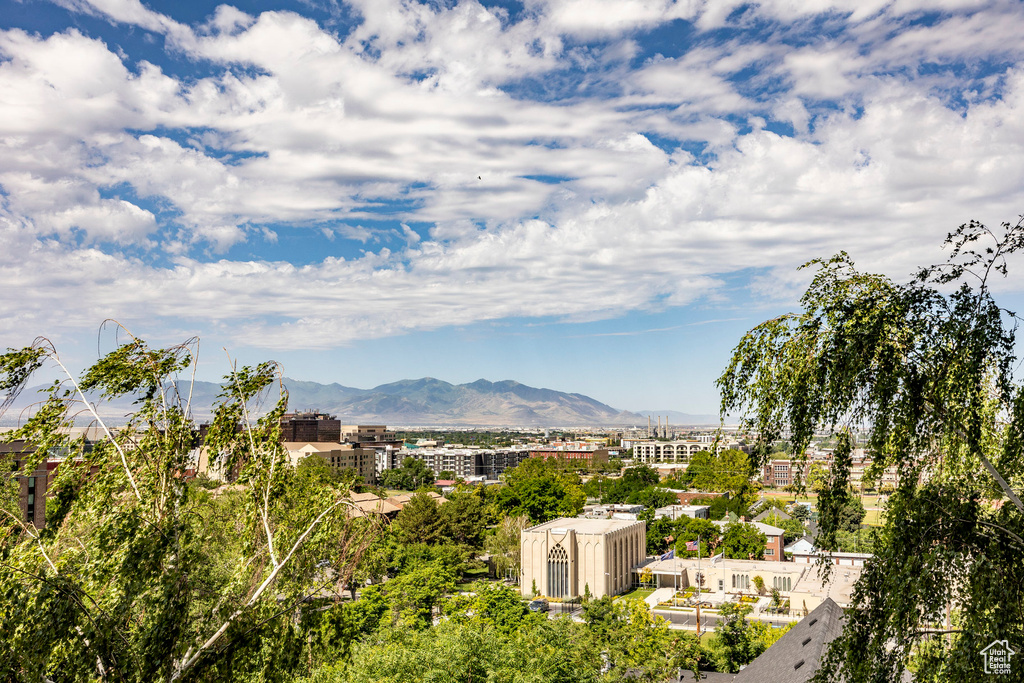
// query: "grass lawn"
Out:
[874,518]
[811,498]
[639,594]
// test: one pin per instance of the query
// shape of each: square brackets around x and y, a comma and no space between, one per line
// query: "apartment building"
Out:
[32,485]
[781,471]
[311,426]
[337,455]
[463,462]
[650,452]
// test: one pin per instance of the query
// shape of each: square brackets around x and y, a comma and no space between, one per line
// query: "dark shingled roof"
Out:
[794,658]
[772,511]
[707,677]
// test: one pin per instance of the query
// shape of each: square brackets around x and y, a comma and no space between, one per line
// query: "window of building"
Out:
[30,510]
[769,551]
[558,572]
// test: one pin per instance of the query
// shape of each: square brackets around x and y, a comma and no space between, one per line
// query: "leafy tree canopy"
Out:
[412,475]
[743,541]
[927,368]
[140,575]
[538,489]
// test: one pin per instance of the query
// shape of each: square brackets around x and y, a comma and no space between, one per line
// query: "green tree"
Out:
[504,545]
[700,473]
[412,475]
[537,489]
[140,575]
[693,529]
[413,595]
[464,519]
[652,497]
[743,541]
[817,477]
[735,643]
[640,646]
[793,529]
[927,368]
[851,514]
[419,521]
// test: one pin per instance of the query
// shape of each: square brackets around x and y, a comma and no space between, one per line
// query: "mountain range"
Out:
[426,402]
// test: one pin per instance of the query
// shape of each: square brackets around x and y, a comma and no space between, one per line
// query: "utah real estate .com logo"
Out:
[997,657]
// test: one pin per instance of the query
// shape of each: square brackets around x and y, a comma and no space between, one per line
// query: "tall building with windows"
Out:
[31,485]
[566,558]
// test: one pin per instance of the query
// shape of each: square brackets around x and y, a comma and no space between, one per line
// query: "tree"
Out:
[464,519]
[412,475]
[413,595]
[419,521]
[638,645]
[792,528]
[851,514]
[735,643]
[693,529]
[927,369]
[504,545]
[817,477]
[536,488]
[801,512]
[759,584]
[652,498]
[743,541]
[140,575]
[700,473]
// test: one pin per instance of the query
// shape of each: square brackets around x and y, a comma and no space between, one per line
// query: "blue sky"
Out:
[589,195]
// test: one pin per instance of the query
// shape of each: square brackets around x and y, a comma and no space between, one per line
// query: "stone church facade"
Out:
[568,555]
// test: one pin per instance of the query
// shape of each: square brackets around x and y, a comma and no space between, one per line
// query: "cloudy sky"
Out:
[596,196]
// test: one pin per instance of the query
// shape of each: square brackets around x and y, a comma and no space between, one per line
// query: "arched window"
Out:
[558,572]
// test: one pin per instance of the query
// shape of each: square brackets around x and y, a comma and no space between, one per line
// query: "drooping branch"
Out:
[106,430]
[264,510]
[271,578]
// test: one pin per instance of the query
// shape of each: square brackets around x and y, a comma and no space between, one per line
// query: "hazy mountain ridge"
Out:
[424,401]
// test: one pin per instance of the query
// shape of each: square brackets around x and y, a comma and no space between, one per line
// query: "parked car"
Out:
[539,605]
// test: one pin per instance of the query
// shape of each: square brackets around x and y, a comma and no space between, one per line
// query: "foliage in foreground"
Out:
[927,368]
[140,575]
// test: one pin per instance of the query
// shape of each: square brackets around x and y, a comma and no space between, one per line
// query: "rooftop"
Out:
[586,526]
[795,657]
[674,565]
[316,445]
[766,529]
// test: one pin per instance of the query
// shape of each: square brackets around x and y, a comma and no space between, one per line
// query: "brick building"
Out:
[310,426]
[32,486]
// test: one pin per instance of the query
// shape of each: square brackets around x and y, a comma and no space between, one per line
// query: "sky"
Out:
[594,196]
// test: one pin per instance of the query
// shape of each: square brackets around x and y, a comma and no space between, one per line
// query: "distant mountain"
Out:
[425,401]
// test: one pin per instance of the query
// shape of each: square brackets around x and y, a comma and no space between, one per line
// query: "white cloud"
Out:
[296,128]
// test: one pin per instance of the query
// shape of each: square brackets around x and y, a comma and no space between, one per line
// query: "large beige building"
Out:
[565,557]
[338,456]
[721,579]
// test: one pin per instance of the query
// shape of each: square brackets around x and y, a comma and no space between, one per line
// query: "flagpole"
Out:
[698,578]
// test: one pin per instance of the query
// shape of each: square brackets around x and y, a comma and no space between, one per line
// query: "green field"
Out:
[639,594]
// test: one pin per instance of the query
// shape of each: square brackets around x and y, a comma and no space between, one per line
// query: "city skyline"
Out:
[591,196]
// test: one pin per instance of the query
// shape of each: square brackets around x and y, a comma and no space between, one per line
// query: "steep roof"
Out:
[772,511]
[795,657]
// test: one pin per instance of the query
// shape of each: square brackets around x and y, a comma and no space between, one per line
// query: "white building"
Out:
[677,511]
[566,557]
